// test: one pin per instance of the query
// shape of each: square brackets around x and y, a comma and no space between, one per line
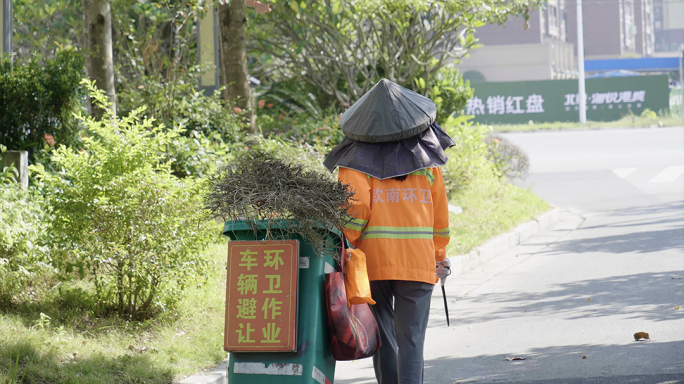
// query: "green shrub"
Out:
[302,153]
[42,28]
[177,104]
[37,103]
[323,133]
[24,225]
[293,109]
[198,155]
[448,91]
[122,220]
[292,97]
[207,128]
[469,157]
[648,113]
[508,159]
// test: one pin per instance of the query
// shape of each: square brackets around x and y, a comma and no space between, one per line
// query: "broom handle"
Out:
[342,253]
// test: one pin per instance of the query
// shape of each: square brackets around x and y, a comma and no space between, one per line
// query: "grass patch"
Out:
[58,339]
[490,207]
[625,122]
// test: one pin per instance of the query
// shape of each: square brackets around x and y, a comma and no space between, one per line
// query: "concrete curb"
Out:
[459,264]
[502,243]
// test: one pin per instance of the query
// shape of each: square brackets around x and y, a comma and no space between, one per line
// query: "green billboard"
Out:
[607,99]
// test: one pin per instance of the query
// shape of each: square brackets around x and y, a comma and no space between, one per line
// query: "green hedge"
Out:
[37,103]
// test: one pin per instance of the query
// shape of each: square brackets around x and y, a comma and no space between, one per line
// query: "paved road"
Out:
[569,300]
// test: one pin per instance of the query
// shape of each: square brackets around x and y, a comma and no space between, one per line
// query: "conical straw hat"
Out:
[388,112]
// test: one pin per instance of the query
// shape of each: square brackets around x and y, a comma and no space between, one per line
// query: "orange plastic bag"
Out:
[356,278]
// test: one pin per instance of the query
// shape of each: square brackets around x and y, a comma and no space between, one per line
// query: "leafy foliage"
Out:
[322,132]
[122,220]
[291,97]
[260,185]
[449,92]
[343,48]
[478,153]
[469,157]
[43,28]
[155,39]
[37,101]
[158,70]
[24,224]
[199,155]
[207,129]
[509,160]
[178,104]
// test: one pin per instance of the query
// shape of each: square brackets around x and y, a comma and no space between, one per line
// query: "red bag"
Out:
[354,331]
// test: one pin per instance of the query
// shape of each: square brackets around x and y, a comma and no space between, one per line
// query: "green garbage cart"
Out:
[266,341]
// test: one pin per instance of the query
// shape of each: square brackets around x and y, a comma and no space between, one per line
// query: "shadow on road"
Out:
[642,242]
[557,362]
[550,363]
[609,296]
[654,228]
[674,213]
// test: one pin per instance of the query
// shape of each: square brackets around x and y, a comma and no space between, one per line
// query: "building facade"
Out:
[668,24]
[546,49]
[517,51]
[613,28]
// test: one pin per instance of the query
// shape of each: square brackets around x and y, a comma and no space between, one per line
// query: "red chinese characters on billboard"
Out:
[261,296]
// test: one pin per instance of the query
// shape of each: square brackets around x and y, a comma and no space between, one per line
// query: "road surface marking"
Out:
[623,172]
[668,174]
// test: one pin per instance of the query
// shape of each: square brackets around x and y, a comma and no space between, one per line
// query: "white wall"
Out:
[521,62]
[674,14]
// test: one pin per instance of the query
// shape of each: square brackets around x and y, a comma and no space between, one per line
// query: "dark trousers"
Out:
[401,310]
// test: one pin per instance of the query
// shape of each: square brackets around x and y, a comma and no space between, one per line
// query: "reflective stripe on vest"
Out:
[382,232]
[356,224]
[441,233]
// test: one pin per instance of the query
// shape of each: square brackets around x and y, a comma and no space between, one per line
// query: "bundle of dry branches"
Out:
[262,189]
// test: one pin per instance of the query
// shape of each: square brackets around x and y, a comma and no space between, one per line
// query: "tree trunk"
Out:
[97,30]
[167,47]
[233,51]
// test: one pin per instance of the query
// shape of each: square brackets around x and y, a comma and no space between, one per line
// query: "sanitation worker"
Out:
[390,157]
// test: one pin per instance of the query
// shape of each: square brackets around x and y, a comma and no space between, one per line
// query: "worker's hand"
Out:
[443,269]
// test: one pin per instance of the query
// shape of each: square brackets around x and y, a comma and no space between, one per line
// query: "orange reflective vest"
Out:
[401,226]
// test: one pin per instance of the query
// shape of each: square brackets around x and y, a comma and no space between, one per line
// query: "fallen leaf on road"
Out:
[641,335]
[678,307]
[584,357]
[515,358]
